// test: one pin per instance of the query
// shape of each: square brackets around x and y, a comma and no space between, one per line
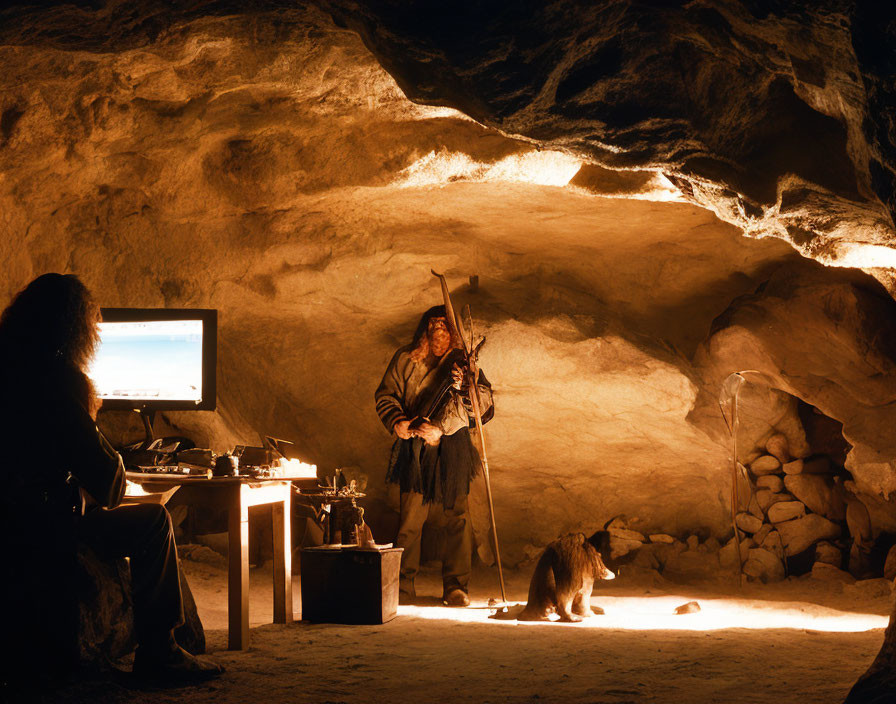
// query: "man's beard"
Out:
[439,341]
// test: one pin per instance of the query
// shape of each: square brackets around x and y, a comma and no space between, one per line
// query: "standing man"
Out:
[423,402]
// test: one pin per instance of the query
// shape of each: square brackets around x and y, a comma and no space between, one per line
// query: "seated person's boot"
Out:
[168,663]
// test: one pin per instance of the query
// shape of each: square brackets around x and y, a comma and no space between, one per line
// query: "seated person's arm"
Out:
[89,456]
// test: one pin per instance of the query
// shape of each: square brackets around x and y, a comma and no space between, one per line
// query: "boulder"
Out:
[622,546]
[859,562]
[786,511]
[859,523]
[748,523]
[875,588]
[618,523]
[773,543]
[795,467]
[661,538]
[204,554]
[728,552]
[767,498]
[767,464]
[827,552]
[761,534]
[890,565]
[828,573]
[818,493]
[645,559]
[666,551]
[626,534]
[778,446]
[801,533]
[772,482]
[764,565]
[755,508]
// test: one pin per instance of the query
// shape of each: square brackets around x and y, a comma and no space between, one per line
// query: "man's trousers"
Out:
[457,553]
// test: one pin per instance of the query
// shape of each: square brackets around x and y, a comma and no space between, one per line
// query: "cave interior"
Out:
[635,200]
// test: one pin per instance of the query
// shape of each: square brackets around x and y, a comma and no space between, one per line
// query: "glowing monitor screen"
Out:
[160,363]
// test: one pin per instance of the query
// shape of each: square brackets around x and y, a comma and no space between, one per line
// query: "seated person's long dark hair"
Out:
[50,324]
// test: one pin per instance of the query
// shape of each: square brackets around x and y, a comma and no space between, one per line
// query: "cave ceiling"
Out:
[302,167]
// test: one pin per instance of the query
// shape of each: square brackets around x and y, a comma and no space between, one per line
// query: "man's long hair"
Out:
[421,342]
[50,322]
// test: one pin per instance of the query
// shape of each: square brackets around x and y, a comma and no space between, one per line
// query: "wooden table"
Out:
[238,494]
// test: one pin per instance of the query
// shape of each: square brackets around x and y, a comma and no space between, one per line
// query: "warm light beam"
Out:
[543,168]
[657,613]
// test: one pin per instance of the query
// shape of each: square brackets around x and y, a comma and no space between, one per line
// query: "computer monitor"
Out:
[156,359]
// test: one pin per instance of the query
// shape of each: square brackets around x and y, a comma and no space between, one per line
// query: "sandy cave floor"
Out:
[637,652]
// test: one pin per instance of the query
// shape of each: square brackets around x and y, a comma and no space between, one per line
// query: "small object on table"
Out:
[227,466]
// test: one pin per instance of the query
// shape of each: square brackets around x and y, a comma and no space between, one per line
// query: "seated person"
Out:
[64,484]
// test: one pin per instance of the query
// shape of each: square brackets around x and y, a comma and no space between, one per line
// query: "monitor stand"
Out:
[148,418]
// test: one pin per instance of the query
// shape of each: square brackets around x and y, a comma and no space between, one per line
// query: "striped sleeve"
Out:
[390,395]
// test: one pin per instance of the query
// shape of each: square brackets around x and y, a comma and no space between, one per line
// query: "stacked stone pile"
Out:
[795,534]
[798,508]
[657,556]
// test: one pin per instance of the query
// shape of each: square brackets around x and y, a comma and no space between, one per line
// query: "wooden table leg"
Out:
[238,571]
[282,559]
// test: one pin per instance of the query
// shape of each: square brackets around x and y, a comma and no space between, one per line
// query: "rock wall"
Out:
[266,165]
[778,116]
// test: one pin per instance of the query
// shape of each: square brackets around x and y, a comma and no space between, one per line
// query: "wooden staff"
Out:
[472,372]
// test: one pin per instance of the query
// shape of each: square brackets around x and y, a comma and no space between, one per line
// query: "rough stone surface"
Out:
[766,498]
[761,534]
[826,552]
[622,546]
[799,534]
[748,523]
[728,553]
[786,511]
[820,134]
[767,464]
[273,144]
[795,467]
[859,522]
[772,482]
[778,447]
[661,538]
[829,573]
[890,564]
[764,565]
[773,543]
[690,565]
[818,493]
[271,169]
[853,362]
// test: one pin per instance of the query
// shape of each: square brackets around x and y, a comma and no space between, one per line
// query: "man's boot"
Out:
[456,597]
[406,593]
